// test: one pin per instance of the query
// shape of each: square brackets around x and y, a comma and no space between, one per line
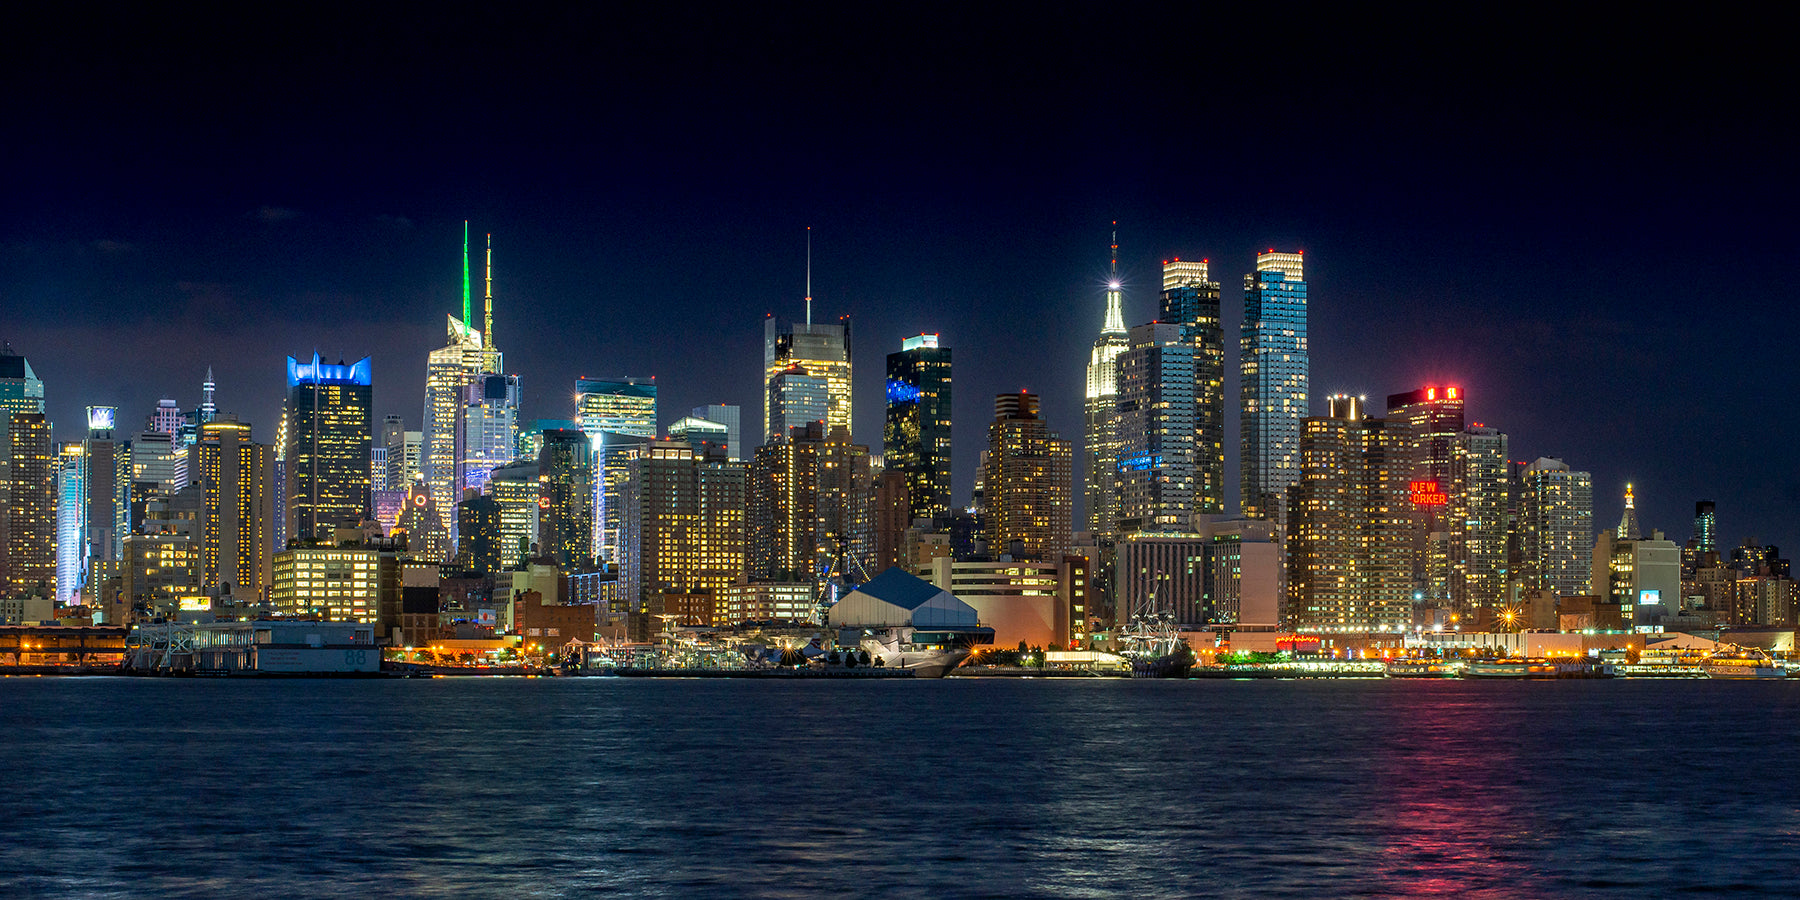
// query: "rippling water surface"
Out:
[1000,788]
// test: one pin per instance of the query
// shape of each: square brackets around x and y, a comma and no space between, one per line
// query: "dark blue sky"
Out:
[1591,235]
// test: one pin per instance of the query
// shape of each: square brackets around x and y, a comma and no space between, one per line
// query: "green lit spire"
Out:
[465,273]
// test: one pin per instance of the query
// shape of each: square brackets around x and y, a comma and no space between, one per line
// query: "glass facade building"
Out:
[916,437]
[1274,365]
[327,450]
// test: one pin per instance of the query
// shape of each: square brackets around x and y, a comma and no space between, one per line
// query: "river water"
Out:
[953,788]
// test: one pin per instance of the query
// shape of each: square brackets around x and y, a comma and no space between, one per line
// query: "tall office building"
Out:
[422,525]
[732,417]
[916,439]
[1028,481]
[1556,513]
[21,394]
[1155,431]
[490,427]
[1190,299]
[237,517]
[1434,414]
[326,456]
[681,527]
[1274,363]
[622,405]
[108,487]
[702,434]
[795,398]
[515,487]
[822,350]
[153,456]
[1478,519]
[611,452]
[450,371]
[566,491]
[1349,524]
[481,545]
[403,449]
[1628,529]
[28,519]
[808,497]
[1100,456]
[165,419]
[1706,526]
[71,553]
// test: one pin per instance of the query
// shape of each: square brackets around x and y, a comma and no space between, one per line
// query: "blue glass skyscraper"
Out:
[1275,365]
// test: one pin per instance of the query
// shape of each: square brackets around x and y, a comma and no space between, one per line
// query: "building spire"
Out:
[809,276]
[208,411]
[465,318]
[1115,296]
[487,331]
[1628,523]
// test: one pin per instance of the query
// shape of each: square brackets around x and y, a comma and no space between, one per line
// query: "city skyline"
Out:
[1557,271]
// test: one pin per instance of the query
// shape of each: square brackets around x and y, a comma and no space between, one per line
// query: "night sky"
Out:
[1590,231]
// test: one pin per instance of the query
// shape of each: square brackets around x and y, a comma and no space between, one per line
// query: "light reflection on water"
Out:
[927,789]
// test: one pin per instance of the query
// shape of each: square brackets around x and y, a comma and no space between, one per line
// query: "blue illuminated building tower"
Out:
[1154,428]
[1274,365]
[916,439]
[329,427]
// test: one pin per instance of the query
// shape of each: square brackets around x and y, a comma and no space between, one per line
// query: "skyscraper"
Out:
[108,487]
[796,397]
[566,499]
[1434,415]
[916,439]
[808,503]
[21,395]
[1028,481]
[1348,562]
[71,553]
[28,518]
[1274,363]
[681,526]
[1478,521]
[450,371]
[1706,526]
[236,479]
[328,415]
[1191,299]
[822,350]
[515,487]
[490,426]
[732,417]
[1100,456]
[1155,433]
[1556,513]
[623,405]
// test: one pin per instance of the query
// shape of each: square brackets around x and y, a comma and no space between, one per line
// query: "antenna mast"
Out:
[465,274]
[487,334]
[809,276]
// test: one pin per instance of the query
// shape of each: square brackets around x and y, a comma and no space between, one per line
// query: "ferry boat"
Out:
[1513,668]
[1740,668]
[1424,668]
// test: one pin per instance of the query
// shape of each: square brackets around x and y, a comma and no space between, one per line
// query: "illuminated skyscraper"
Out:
[1556,515]
[1155,431]
[701,433]
[1434,415]
[1479,569]
[28,518]
[1028,481]
[1706,526]
[426,537]
[681,526]
[71,553]
[796,398]
[622,405]
[732,418]
[1274,363]
[490,427]
[108,487]
[1191,300]
[515,487]
[1100,456]
[1349,527]
[822,350]
[566,499]
[445,455]
[326,456]
[237,516]
[481,546]
[166,418]
[916,440]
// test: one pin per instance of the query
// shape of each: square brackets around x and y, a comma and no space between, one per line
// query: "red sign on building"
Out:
[1427,493]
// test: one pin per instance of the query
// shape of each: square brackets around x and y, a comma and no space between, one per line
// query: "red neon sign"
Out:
[1427,493]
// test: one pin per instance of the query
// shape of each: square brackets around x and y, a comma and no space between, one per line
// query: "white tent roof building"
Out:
[896,598]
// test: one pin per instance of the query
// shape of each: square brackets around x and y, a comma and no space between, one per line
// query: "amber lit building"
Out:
[236,518]
[1027,481]
[327,449]
[681,530]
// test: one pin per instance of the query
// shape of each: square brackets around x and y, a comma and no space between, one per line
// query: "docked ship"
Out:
[1423,668]
[906,622]
[1151,641]
[1742,667]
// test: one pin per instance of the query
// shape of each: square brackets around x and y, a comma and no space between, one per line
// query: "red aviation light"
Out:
[1428,493]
